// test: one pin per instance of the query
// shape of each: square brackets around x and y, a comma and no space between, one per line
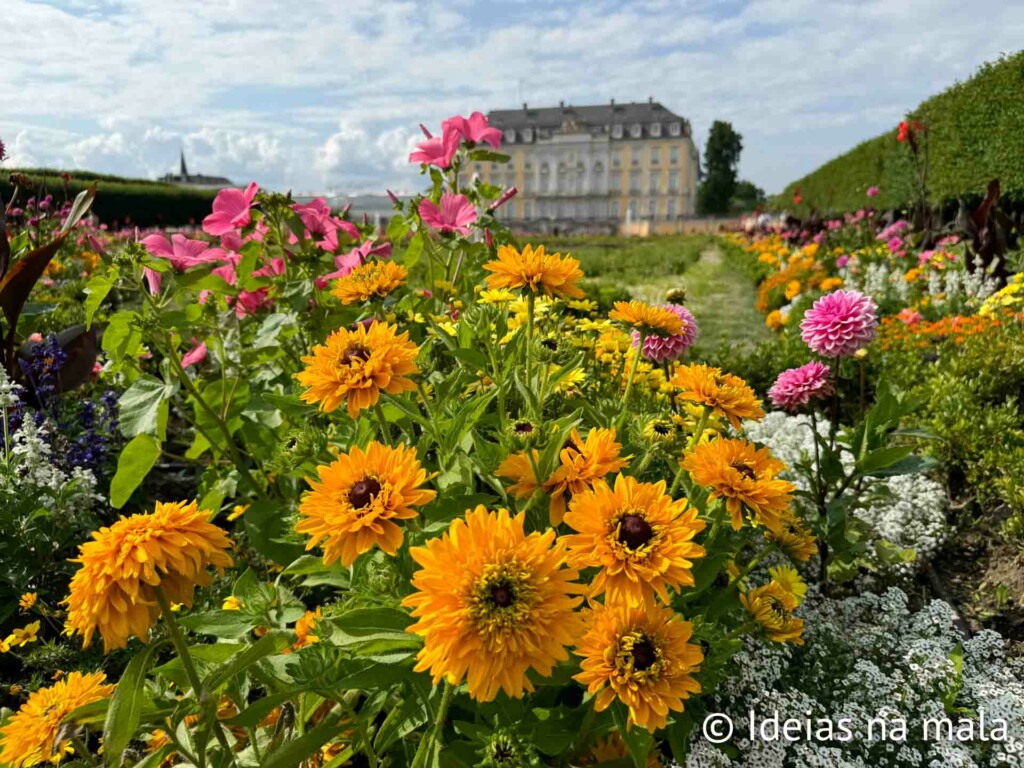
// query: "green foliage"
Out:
[138,202]
[747,197]
[974,135]
[721,158]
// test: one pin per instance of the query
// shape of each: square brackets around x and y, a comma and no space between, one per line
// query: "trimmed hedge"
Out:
[138,202]
[975,134]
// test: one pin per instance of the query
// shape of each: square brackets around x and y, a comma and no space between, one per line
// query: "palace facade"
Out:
[603,167]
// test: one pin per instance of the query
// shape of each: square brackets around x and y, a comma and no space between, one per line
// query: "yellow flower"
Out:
[637,535]
[517,467]
[790,580]
[30,736]
[114,589]
[374,278]
[28,601]
[23,636]
[498,296]
[305,628]
[772,607]
[536,271]
[830,284]
[743,475]
[614,749]
[726,394]
[360,495]
[642,656]
[789,534]
[355,366]
[231,603]
[810,250]
[648,319]
[237,511]
[580,464]
[775,320]
[582,305]
[792,288]
[491,603]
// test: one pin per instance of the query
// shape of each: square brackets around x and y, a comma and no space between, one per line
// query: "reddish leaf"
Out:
[18,283]
[991,196]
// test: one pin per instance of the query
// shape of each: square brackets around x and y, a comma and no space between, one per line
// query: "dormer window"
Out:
[655,129]
[528,134]
[617,131]
[673,129]
[636,130]
[510,136]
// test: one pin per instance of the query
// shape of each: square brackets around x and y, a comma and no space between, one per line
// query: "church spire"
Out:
[184,168]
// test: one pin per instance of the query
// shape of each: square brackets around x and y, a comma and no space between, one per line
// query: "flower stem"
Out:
[385,428]
[426,745]
[178,639]
[629,384]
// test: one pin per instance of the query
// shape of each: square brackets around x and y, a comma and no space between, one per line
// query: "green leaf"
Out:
[270,643]
[293,752]
[96,291]
[134,463]
[83,201]
[269,532]
[225,624]
[126,706]
[882,458]
[413,251]
[122,338]
[143,407]
[638,740]
[372,630]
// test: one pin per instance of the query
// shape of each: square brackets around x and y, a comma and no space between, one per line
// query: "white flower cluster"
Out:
[869,659]
[27,469]
[907,510]
[953,286]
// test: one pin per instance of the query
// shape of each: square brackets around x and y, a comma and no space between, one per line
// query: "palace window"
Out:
[632,210]
[673,181]
[614,210]
[652,208]
[673,129]
[545,177]
[528,211]
[528,134]
[636,130]
[634,181]
[653,182]
[635,156]
[655,129]
[673,155]
[510,136]
[617,160]
[670,208]
[616,181]
[617,131]
[655,155]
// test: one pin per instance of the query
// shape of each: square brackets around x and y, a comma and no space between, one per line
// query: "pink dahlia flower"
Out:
[798,386]
[840,323]
[659,349]
[872,191]
[455,213]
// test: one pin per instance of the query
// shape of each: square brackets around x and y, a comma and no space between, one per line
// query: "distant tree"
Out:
[721,158]
[747,197]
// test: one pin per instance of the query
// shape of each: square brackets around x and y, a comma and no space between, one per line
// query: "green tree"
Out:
[747,197]
[721,157]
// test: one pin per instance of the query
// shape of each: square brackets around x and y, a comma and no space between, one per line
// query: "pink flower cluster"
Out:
[840,323]
[659,348]
[798,386]
[439,150]
[454,214]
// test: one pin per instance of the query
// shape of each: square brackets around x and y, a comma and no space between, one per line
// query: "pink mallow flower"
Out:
[194,356]
[230,210]
[872,191]
[659,349]
[179,250]
[798,386]
[894,244]
[455,213]
[842,261]
[437,150]
[840,323]
[475,128]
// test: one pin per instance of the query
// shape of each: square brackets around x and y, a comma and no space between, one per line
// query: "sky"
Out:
[326,95]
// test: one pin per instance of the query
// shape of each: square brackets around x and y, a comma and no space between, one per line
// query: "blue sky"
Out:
[326,95]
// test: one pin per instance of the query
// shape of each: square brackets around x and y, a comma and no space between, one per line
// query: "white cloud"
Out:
[328,95]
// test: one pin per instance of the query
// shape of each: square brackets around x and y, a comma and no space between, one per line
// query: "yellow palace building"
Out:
[609,167]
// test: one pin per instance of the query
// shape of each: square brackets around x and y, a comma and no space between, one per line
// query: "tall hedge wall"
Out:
[138,201]
[975,134]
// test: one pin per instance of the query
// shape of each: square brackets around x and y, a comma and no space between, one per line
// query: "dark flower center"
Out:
[571,445]
[550,344]
[355,352]
[502,595]
[523,427]
[661,429]
[644,655]
[744,469]
[363,493]
[634,531]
